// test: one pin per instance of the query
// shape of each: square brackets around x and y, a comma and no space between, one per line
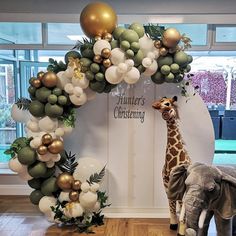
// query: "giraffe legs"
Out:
[173,215]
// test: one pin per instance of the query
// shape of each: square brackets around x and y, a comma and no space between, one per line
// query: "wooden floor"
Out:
[18,217]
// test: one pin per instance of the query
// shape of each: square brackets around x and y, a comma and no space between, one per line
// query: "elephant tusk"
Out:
[202,218]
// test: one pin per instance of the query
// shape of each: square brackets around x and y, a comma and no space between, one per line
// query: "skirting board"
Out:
[110,212]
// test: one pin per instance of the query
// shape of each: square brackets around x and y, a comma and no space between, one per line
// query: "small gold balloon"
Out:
[36,83]
[65,181]
[40,75]
[74,196]
[49,79]
[56,146]
[163,51]
[97,38]
[76,185]
[157,44]
[42,150]
[106,53]
[107,36]
[98,59]
[171,37]
[97,19]
[47,139]
[106,63]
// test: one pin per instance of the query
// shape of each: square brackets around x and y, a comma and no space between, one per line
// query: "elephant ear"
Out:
[225,204]
[176,187]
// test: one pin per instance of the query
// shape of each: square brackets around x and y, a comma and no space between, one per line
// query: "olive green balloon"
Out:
[85,62]
[49,186]
[35,183]
[27,156]
[57,91]
[135,46]
[164,60]
[73,54]
[37,170]
[169,78]
[88,53]
[35,196]
[36,108]
[62,100]
[52,99]
[22,142]
[188,68]
[53,111]
[114,44]
[42,94]
[138,58]
[97,86]
[129,53]
[50,172]
[174,68]
[165,70]
[138,28]
[141,68]
[32,90]
[178,78]
[129,35]
[99,76]
[94,67]
[158,78]
[190,58]
[181,58]
[117,32]
[89,75]
[124,45]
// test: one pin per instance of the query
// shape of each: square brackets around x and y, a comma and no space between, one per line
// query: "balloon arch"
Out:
[65,190]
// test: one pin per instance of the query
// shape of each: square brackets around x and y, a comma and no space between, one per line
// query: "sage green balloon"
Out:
[32,90]
[158,78]
[129,53]
[188,68]
[129,35]
[35,183]
[97,86]
[27,156]
[42,94]
[117,32]
[57,91]
[169,78]
[85,62]
[124,45]
[164,60]
[138,57]
[37,170]
[138,28]
[49,186]
[50,172]
[52,99]
[181,58]
[174,68]
[99,76]
[35,196]
[141,68]
[165,70]
[114,44]
[190,58]
[89,75]
[135,46]
[94,67]
[36,108]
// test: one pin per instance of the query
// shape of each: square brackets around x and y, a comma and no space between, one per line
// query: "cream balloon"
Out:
[32,126]
[94,187]
[146,45]
[86,167]
[46,203]
[69,88]
[78,101]
[88,200]
[146,62]
[151,70]
[47,124]
[62,80]
[100,45]
[80,82]
[73,209]
[24,175]
[16,166]
[113,76]
[117,56]
[19,115]
[77,91]
[50,164]
[85,187]
[64,197]
[132,76]
[122,68]
[68,73]
[59,132]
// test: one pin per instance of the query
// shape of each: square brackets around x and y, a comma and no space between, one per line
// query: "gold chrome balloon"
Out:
[40,75]
[42,150]
[163,51]
[107,36]
[97,19]
[49,79]
[98,59]
[65,181]
[56,146]
[97,38]
[106,53]
[157,44]
[36,83]
[47,139]
[74,196]
[106,63]
[171,37]
[76,185]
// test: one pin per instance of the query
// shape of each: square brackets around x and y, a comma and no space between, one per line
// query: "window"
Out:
[225,34]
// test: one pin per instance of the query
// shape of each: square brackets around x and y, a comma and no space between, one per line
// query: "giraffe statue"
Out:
[175,152]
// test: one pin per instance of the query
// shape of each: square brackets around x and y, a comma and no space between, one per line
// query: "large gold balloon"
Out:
[65,181]
[171,37]
[97,19]
[56,146]
[49,79]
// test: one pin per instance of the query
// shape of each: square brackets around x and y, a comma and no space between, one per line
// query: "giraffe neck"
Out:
[175,151]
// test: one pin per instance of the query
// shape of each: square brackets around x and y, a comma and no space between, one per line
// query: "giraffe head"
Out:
[167,108]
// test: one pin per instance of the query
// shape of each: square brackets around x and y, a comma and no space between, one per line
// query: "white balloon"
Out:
[146,62]
[46,203]
[90,94]
[82,83]
[24,175]
[117,56]
[122,68]
[32,144]
[59,132]
[69,88]
[156,52]
[82,99]
[77,91]
[130,64]
[67,130]
[19,115]
[86,167]
[33,126]
[146,45]
[113,76]
[33,118]
[56,157]
[73,209]
[45,158]
[94,187]
[69,72]
[132,76]
[47,124]
[151,55]
[50,164]
[37,141]
[16,166]
[64,197]
[62,80]
[151,70]
[88,200]
[85,187]
[100,45]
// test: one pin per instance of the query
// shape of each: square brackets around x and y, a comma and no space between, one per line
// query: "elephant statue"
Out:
[206,191]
